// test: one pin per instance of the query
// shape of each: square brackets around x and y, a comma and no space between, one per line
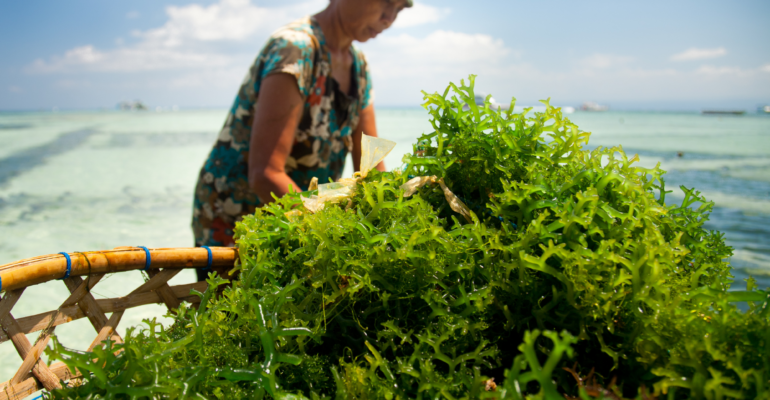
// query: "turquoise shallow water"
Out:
[98,180]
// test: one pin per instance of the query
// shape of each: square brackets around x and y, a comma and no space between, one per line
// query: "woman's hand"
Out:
[366,124]
[276,117]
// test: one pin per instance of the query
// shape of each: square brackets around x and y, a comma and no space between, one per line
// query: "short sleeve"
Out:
[365,82]
[291,52]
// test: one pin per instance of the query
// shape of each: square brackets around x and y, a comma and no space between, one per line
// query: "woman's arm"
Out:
[276,117]
[366,124]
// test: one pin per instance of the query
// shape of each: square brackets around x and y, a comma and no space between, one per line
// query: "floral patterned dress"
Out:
[321,142]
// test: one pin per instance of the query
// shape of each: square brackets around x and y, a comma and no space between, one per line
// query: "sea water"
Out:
[80,181]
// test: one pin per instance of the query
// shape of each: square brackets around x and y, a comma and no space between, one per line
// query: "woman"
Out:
[315,100]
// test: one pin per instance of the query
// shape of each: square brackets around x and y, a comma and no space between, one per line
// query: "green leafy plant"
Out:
[388,296]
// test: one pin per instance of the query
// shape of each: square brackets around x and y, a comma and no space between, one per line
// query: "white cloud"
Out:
[713,71]
[84,55]
[420,14]
[404,64]
[226,20]
[409,55]
[130,59]
[604,61]
[699,54]
[224,78]
[187,40]
[648,73]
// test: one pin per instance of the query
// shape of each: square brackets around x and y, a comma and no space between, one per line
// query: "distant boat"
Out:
[591,106]
[132,106]
[764,109]
[723,112]
[493,104]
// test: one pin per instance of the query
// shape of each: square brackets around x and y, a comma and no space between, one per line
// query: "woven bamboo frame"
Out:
[34,374]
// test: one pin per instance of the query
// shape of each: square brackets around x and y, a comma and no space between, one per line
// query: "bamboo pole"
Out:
[33,271]
[15,277]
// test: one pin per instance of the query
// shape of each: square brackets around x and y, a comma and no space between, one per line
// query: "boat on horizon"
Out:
[723,112]
[592,106]
[764,109]
[480,99]
[132,106]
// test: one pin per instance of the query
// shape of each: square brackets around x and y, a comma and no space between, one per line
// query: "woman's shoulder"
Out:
[299,33]
[358,53]
[362,66]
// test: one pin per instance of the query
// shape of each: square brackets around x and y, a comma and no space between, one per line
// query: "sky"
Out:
[633,55]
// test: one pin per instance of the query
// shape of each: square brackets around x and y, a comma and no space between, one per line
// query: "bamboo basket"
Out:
[160,264]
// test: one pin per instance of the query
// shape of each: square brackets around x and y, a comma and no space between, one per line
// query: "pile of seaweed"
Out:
[567,276]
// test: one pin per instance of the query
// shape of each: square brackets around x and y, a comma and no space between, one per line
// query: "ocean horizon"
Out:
[750,106]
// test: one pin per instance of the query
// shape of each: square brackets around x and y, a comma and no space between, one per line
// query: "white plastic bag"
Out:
[412,185]
[373,151]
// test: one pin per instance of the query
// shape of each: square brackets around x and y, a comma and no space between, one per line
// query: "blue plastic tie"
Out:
[69,265]
[1,283]
[210,260]
[38,397]
[147,258]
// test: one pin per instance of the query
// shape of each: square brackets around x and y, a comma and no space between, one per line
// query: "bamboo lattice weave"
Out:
[34,374]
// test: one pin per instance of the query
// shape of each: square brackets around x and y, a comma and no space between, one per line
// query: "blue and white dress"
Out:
[321,142]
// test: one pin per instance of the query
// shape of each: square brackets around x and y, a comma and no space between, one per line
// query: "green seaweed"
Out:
[399,297]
